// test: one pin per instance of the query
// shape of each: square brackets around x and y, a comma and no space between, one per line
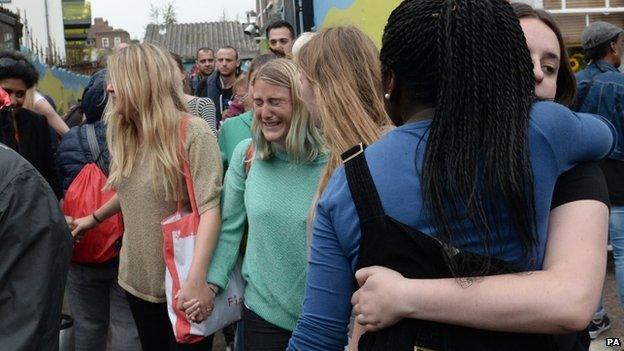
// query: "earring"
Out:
[387,96]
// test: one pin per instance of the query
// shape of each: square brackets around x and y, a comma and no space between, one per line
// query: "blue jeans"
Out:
[616,237]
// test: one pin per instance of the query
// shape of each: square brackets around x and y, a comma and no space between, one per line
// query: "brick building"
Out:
[102,36]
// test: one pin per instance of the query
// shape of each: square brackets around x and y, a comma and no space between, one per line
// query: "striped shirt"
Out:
[205,109]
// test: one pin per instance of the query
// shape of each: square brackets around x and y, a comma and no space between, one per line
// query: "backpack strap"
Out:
[82,147]
[94,147]
[361,185]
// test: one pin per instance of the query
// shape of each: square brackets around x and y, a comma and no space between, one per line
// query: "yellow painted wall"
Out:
[63,96]
[62,85]
[368,15]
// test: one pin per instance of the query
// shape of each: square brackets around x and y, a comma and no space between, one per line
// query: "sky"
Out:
[133,15]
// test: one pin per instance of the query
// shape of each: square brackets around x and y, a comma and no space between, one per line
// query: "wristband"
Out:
[96,219]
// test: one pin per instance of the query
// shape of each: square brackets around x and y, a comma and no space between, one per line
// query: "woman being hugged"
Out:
[461,188]
[144,116]
[271,190]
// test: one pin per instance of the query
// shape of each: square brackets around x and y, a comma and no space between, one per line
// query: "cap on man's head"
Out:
[598,33]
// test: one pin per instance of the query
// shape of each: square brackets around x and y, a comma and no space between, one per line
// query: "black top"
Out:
[583,182]
[226,98]
[614,173]
[32,141]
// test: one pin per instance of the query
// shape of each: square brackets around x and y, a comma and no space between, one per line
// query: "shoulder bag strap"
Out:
[82,148]
[186,169]
[361,185]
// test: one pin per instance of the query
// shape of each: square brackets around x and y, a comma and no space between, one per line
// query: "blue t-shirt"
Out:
[558,139]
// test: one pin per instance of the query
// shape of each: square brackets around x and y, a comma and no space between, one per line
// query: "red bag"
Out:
[83,197]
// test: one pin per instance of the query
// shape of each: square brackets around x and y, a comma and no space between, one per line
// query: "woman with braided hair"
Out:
[462,188]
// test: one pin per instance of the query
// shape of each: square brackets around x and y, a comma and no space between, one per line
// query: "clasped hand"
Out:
[79,226]
[196,299]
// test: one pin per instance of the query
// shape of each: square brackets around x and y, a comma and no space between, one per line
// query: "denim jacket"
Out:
[600,89]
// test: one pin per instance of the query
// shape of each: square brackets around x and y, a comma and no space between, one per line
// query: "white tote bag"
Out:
[228,304]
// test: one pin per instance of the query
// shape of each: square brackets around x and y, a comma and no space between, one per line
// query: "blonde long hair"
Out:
[304,142]
[145,113]
[343,68]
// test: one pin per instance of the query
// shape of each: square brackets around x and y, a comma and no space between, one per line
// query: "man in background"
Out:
[281,36]
[205,65]
[218,86]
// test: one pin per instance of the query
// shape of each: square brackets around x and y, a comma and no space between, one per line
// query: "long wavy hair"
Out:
[349,93]
[304,143]
[145,115]
[469,60]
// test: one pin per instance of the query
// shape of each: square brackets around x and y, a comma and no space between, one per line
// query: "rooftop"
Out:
[185,38]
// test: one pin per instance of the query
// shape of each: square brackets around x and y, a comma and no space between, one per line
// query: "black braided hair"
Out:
[469,59]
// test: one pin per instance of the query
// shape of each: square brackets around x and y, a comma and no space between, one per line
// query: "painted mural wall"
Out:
[64,86]
[368,15]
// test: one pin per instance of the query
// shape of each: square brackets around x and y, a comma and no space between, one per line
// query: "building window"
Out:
[117,41]
[105,43]
[7,41]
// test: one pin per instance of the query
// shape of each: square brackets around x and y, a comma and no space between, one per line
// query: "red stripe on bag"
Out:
[185,226]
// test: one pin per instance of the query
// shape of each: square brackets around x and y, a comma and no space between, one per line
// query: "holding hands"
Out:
[196,299]
[80,225]
[70,222]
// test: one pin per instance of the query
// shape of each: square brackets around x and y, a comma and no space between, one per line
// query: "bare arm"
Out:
[354,341]
[110,208]
[558,299]
[196,297]
[54,120]
[207,238]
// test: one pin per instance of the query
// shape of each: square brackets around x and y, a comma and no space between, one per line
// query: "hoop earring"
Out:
[387,96]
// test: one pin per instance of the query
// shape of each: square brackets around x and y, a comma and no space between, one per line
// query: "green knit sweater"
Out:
[275,197]
[233,131]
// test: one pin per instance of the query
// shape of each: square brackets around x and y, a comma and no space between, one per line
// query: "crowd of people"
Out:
[452,190]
